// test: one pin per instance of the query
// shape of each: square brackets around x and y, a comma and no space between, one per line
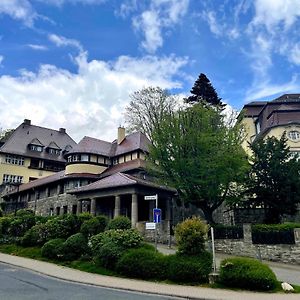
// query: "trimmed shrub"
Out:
[189,269]
[36,235]
[74,247]
[108,246]
[24,212]
[190,236]
[143,263]
[83,217]
[52,249]
[119,222]
[247,273]
[4,224]
[91,227]
[103,221]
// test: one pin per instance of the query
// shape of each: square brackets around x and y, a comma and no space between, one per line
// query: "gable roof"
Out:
[25,134]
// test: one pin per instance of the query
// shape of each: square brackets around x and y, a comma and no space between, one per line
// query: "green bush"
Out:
[119,222]
[91,227]
[147,246]
[24,212]
[52,249]
[108,246]
[103,220]
[190,236]
[83,217]
[36,235]
[275,227]
[189,269]
[142,263]
[4,224]
[74,247]
[247,273]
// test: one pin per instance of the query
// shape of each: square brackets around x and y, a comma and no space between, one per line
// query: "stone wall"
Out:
[244,247]
[42,206]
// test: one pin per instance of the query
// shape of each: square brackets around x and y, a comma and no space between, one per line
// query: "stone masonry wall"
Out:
[244,247]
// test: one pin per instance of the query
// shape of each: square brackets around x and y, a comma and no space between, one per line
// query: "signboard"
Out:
[154,197]
[157,215]
[150,225]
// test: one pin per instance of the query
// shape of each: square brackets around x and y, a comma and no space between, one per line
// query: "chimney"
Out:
[27,122]
[62,130]
[121,134]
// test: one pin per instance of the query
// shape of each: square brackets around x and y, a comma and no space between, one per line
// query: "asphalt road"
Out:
[21,284]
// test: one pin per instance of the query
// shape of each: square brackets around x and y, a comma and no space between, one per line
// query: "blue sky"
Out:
[74,63]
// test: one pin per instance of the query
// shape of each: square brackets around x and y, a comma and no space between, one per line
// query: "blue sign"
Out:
[156,215]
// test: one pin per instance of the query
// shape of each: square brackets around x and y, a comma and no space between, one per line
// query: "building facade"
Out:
[101,178]
[31,152]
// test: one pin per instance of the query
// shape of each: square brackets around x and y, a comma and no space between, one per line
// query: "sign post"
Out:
[156,214]
[213,248]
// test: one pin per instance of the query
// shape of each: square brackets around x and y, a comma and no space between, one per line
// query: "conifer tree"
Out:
[203,91]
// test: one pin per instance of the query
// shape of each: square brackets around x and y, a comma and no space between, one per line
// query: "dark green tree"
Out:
[203,91]
[196,153]
[274,178]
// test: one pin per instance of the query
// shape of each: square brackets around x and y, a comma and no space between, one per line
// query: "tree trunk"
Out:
[208,215]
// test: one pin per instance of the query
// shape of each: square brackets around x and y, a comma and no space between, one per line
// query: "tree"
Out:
[197,154]
[148,108]
[203,91]
[274,180]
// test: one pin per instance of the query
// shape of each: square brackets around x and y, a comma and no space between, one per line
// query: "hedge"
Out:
[247,273]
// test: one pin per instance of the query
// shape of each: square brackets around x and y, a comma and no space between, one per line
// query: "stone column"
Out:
[247,233]
[134,210]
[93,207]
[117,206]
[297,236]
[79,208]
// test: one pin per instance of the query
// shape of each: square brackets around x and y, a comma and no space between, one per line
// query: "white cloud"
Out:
[19,10]
[37,47]
[271,13]
[160,15]
[62,2]
[268,90]
[88,102]
[149,22]
[61,41]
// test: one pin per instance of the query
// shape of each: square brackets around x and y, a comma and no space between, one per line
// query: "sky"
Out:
[74,63]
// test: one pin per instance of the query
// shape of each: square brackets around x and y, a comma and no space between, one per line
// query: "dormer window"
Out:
[294,135]
[36,148]
[36,145]
[53,151]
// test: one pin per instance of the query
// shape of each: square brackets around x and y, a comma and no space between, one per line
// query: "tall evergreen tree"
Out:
[203,91]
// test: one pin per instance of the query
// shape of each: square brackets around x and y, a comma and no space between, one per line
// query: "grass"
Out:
[89,266]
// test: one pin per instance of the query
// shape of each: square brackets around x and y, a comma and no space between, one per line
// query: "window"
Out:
[12,178]
[116,161]
[36,148]
[14,160]
[294,135]
[53,151]
[84,157]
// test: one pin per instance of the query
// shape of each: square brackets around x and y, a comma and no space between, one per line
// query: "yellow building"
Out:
[262,119]
[31,152]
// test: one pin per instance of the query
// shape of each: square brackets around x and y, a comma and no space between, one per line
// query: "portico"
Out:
[122,194]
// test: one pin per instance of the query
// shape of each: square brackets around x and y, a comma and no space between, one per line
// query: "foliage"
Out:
[189,269]
[74,247]
[247,273]
[190,236]
[36,235]
[274,180]
[120,222]
[148,108]
[52,249]
[142,263]
[91,227]
[1,213]
[196,153]
[83,217]
[4,224]
[274,233]
[203,91]
[103,221]
[108,246]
